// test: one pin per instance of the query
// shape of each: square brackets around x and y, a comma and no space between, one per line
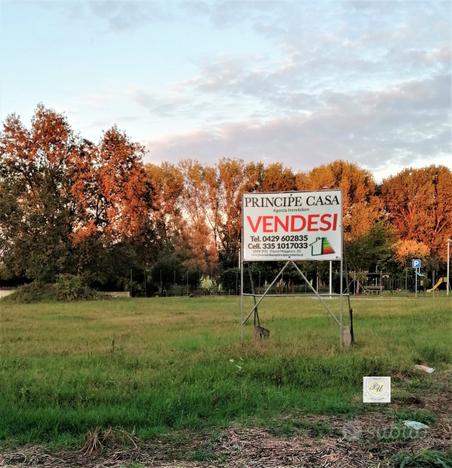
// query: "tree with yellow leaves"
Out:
[418,203]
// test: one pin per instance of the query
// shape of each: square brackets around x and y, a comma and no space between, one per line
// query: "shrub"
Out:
[73,288]
[67,288]
[36,291]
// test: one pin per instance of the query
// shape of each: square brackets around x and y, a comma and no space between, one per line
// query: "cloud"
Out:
[395,126]
[362,80]
[118,15]
[342,43]
[160,105]
[297,80]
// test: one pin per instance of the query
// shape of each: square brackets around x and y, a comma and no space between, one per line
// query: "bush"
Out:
[67,288]
[36,291]
[73,288]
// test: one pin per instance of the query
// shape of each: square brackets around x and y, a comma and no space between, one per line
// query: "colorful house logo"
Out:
[321,246]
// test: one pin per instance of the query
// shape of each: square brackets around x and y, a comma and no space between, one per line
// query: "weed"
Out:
[97,440]
[424,458]
[421,415]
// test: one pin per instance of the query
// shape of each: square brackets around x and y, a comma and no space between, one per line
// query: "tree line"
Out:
[69,205]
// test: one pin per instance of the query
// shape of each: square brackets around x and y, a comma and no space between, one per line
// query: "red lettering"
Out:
[326,224]
[293,227]
[312,222]
[254,227]
[294,223]
[278,221]
[268,223]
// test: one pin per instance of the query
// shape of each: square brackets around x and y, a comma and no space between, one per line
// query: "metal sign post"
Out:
[416,264]
[415,283]
[241,293]
[448,266]
[331,278]
[292,227]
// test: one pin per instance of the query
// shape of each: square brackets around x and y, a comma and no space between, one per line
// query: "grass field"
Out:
[153,365]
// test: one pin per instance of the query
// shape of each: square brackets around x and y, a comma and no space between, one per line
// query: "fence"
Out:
[358,283]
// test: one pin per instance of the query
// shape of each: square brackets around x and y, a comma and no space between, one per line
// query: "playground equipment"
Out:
[442,280]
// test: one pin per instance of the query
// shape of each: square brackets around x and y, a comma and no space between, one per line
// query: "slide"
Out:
[443,279]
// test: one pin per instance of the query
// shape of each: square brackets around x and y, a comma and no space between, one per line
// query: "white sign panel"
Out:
[376,389]
[292,226]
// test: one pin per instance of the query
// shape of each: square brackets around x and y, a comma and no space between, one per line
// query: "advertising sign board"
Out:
[292,226]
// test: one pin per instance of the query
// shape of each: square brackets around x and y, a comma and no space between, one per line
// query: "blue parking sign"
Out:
[416,263]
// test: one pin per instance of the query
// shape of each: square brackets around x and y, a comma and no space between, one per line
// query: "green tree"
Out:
[371,249]
[65,203]
[37,211]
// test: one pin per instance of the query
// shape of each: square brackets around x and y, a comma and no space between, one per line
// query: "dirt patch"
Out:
[369,440]
[359,445]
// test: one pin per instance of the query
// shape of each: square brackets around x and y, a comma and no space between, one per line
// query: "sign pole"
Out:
[415,282]
[331,278]
[341,305]
[241,295]
[448,265]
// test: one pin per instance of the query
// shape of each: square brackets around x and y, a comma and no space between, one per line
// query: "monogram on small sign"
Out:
[376,389]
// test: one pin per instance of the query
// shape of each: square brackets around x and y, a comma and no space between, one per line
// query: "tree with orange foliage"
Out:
[232,179]
[58,192]
[198,247]
[361,206]
[121,178]
[70,206]
[418,202]
[167,185]
[37,210]
[277,178]
[212,198]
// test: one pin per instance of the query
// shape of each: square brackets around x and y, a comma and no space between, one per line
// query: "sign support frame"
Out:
[266,293]
[261,297]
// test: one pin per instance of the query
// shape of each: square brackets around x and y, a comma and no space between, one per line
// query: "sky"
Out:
[298,82]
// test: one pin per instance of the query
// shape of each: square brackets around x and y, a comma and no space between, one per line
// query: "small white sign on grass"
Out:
[376,389]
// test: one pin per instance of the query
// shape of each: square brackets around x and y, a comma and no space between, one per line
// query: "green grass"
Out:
[424,458]
[178,362]
[421,415]
[288,427]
